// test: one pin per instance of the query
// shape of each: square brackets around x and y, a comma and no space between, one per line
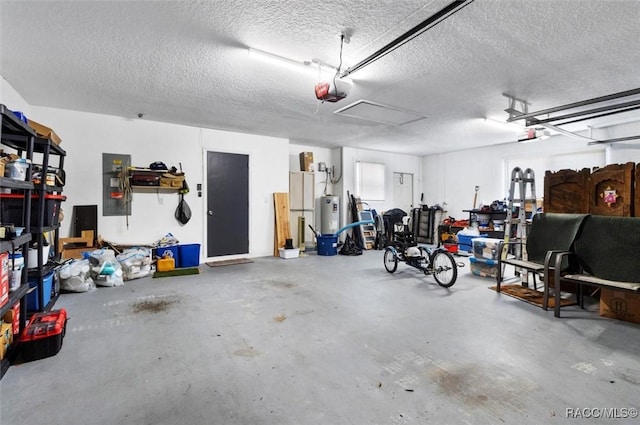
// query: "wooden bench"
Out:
[549,234]
[606,250]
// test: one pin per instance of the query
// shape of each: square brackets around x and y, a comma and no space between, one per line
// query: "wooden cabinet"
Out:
[567,191]
[611,190]
[302,207]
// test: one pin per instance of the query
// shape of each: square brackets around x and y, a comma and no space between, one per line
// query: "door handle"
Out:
[210,212]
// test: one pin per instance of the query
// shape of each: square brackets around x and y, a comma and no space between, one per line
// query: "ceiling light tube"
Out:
[504,124]
[308,66]
[276,59]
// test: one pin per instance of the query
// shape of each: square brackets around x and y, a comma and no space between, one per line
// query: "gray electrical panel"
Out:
[114,198]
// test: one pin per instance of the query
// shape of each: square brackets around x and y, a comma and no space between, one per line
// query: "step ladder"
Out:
[368,231]
[517,210]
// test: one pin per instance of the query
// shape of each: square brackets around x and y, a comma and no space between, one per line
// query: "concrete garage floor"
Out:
[324,340]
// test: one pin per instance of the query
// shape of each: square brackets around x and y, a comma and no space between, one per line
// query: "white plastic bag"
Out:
[74,277]
[135,262]
[105,269]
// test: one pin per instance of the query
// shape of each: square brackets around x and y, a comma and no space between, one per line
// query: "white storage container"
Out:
[16,170]
[32,262]
[289,253]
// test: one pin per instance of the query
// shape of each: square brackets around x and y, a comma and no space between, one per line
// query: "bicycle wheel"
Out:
[390,260]
[444,268]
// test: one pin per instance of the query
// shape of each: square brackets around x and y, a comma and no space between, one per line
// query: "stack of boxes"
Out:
[486,252]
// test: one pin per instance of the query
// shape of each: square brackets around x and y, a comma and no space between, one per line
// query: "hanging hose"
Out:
[125,188]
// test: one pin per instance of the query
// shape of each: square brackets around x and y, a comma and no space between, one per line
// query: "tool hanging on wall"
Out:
[475,197]
[183,212]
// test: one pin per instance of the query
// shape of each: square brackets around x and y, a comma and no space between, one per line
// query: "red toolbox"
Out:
[43,335]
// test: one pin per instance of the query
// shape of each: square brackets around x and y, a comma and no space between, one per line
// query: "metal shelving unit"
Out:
[24,140]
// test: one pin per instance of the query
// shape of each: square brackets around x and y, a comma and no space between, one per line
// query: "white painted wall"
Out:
[393,163]
[620,153]
[449,179]
[12,99]
[86,136]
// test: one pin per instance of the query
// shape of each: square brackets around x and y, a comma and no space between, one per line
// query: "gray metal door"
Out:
[227,204]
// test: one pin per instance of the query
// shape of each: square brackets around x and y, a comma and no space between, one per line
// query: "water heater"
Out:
[329,214]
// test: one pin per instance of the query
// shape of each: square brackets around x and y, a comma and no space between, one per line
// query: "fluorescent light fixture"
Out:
[311,67]
[504,124]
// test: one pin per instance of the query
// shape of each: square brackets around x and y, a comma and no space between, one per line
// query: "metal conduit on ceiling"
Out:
[430,22]
[597,107]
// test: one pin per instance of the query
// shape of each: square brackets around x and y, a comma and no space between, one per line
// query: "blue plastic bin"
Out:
[327,244]
[465,242]
[33,303]
[173,250]
[189,255]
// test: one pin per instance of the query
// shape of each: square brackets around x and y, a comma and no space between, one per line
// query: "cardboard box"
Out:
[4,278]
[528,206]
[306,159]
[620,305]
[44,131]
[13,317]
[6,338]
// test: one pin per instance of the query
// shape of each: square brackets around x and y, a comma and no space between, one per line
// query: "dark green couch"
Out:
[549,233]
[607,250]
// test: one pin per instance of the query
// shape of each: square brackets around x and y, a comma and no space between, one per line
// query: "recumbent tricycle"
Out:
[436,261]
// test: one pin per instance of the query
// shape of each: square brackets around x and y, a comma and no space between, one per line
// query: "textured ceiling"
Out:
[186,62]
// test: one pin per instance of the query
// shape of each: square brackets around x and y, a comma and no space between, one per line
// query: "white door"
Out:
[403,191]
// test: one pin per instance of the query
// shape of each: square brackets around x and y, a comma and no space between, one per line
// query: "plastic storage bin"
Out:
[16,170]
[289,253]
[172,251]
[189,255]
[486,248]
[43,335]
[16,265]
[483,267]
[33,303]
[12,209]
[327,244]
[465,241]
